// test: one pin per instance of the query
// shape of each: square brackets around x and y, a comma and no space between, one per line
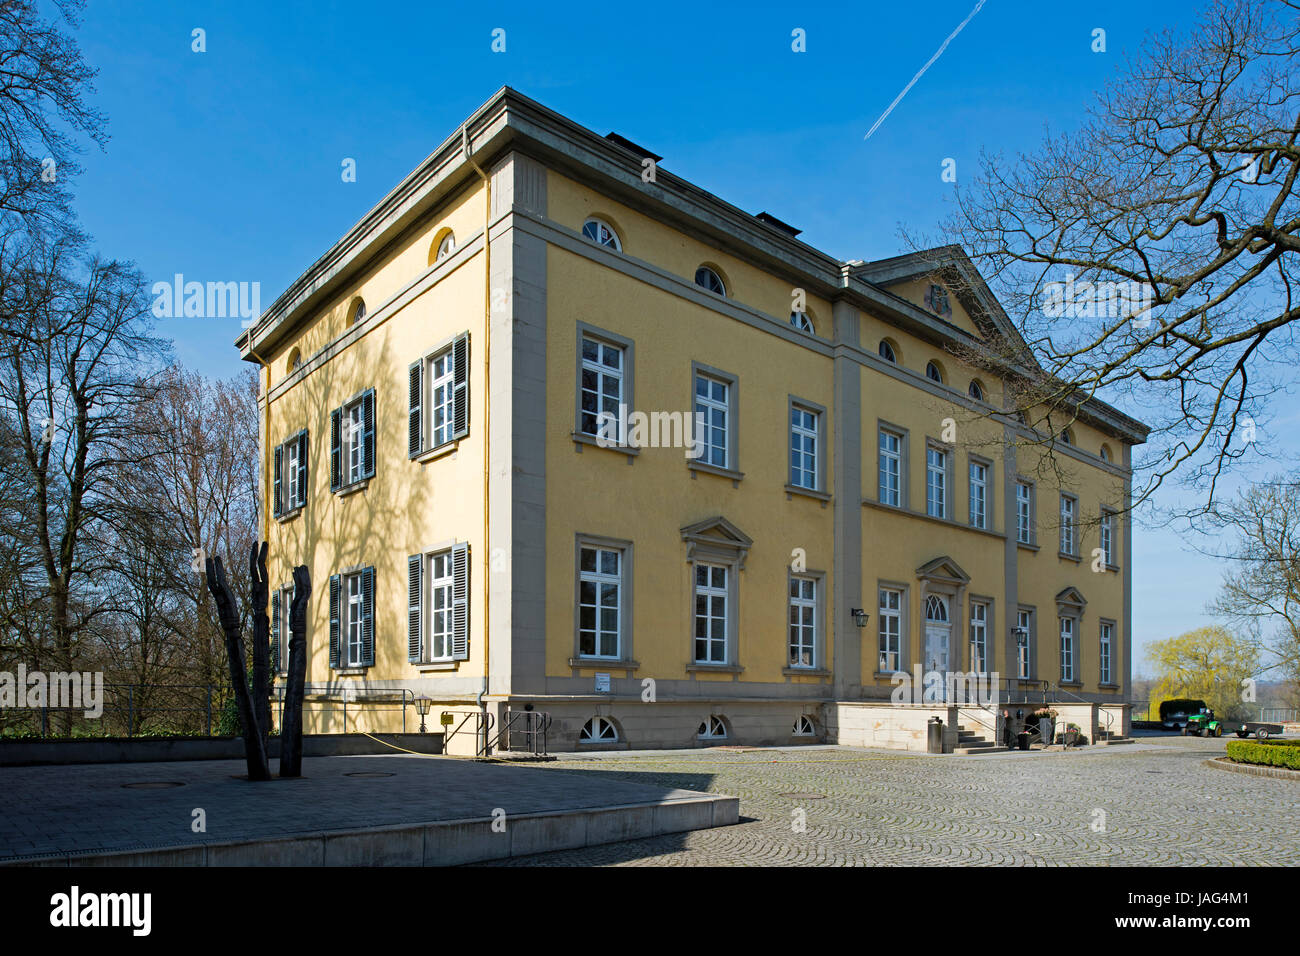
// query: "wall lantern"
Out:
[859,616]
[422,705]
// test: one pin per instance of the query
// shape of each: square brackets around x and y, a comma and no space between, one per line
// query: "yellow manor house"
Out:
[828,494]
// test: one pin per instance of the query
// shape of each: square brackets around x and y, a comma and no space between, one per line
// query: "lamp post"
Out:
[422,705]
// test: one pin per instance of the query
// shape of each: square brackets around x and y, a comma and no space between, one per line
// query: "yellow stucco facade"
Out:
[438,478]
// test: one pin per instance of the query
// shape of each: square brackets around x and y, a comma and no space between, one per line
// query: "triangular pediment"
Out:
[943,569]
[1072,597]
[963,299]
[717,530]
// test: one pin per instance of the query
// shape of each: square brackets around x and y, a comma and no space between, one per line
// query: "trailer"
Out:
[1205,724]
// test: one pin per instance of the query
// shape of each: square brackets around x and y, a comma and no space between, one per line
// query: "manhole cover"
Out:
[797,795]
[153,785]
[368,773]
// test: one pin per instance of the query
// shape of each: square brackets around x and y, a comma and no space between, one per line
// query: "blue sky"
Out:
[225,165]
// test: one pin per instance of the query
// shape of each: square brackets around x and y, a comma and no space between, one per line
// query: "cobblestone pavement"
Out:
[1151,803]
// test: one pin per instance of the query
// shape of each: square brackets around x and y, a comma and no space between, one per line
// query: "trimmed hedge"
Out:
[1271,753]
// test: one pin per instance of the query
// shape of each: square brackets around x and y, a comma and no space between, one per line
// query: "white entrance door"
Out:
[936,648]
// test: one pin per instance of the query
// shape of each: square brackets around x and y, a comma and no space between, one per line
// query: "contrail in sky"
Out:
[929,63]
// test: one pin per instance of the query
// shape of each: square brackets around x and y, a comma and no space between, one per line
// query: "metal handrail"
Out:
[536,724]
[483,721]
[1110,719]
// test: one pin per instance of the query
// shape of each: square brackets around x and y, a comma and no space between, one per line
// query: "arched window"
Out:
[295,360]
[708,279]
[887,351]
[936,609]
[1067,436]
[801,321]
[712,728]
[446,247]
[803,727]
[1105,453]
[933,373]
[976,390]
[602,234]
[358,311]
[598,730]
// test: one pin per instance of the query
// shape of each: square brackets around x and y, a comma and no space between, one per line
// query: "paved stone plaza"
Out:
[134,809]
[1163,807]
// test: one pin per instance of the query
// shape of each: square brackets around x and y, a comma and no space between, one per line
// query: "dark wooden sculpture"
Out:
[231,626]
[291,721]
[261,642]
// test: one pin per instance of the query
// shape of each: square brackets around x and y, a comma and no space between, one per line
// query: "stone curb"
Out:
[1279,773]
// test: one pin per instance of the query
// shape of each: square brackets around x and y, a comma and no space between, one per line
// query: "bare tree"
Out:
[1261,588]
[74,361]
[1150,256]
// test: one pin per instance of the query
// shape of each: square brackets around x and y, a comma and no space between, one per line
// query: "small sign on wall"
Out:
[602,683]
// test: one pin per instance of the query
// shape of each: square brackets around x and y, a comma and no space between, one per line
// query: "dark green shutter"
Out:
[460,602]
[335,642]
[368,617]
[460,388]
[276,498]
[302,469]
[368,434]
[415,423]
[336,449]
[275,630]
[415,605]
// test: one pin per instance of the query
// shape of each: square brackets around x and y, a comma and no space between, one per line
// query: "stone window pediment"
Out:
[716,538]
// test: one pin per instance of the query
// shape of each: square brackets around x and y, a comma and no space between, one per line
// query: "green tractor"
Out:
[1204,724]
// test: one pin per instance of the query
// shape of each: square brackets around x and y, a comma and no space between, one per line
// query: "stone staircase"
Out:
[969,742]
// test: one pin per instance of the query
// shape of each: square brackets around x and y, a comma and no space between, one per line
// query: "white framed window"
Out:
[1107,642]
[353,443]
[290,479]
[891,468]
[439,397]
[446,247]
[438,605]
[712,401]
[281,632]
[602,234]
[1067,649]
[936,609]
[711,599]
[1024,625]
[1108,537]
[890,629]
[979,482]
[804,727]
[598,730]
[600,602]
[709,279]
[1069,506]
[936,481]
[803,447]
[887,352]
[442,397]
[979,635]
[712,728]
[354,610]
[442,581]
[601,399]
[803,622]
[1024,512]
[801,322]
